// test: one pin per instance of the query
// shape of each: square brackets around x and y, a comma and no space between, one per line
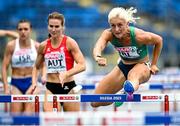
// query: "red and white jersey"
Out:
[58,59]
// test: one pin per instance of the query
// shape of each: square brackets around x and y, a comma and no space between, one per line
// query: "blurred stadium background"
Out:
[85,19]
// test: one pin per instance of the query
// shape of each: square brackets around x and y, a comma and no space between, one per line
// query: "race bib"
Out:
[129,52]
[24,58]
[55,62]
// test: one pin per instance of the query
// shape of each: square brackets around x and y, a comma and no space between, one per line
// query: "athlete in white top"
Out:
[21,53]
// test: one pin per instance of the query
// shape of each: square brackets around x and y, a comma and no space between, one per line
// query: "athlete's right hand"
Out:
[31,89]
[101,61]
[154,69]
[7,90]
[62,77]
[43,80]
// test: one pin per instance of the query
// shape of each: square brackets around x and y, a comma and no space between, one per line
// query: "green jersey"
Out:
[132,52]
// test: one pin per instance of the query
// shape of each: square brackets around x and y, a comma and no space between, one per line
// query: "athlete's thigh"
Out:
[30,107]
[15,106]
[36,90]
[71,106]
[111,83]
[15,90]
[48,106]
[140,72]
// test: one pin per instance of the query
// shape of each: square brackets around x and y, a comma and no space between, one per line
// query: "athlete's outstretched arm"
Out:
[5,64]
[9,33]
[100,46]
[150,38]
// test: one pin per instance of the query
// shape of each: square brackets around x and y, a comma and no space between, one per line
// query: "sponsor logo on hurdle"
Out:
[55,110]
[77,98]
[68,98]
[51,120]
[20,98]
[130,120]
[57,121]
[151,98]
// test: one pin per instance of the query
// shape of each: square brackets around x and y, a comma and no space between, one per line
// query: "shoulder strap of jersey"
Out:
[17,46]
[33,44]
[64,40]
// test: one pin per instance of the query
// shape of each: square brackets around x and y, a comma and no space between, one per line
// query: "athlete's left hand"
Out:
[43,80]
[31,89]
[154,69]
[62,77]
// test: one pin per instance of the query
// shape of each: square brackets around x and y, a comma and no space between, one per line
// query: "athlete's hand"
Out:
[7,92]
[7,89]
[154,69]
[43,80]
[101,61]
[31,89]
[62,77]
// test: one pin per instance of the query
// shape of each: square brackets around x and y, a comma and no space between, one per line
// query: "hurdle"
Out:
[166,98]
[36,104]
[152,85]
[85,118]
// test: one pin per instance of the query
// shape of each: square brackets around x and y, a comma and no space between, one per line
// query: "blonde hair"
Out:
[126,14]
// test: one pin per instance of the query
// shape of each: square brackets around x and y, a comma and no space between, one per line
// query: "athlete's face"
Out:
[118,26]
[24,30]
[55,27]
